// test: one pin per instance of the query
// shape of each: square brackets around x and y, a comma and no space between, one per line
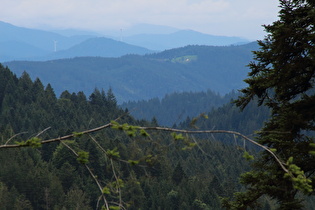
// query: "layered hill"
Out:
[99,46]
[25,43]
[18,43]
[134,77]
[181,38]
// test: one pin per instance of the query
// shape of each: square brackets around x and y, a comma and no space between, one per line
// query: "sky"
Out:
[242,18]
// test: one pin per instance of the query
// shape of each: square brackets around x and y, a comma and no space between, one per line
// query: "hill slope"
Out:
[191,68]
[37,38]
[18,43]
[99,46]
[176,107]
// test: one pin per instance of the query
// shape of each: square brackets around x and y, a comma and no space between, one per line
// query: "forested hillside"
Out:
[176,107]
[230,117]
[159,171]
[133,77]
[153,173]
[100,47]
[181,109]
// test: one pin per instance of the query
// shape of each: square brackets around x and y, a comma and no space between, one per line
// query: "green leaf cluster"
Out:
[113,154]
[77,134]
[247,156]
[34,142]
[133,162]
[113,187]
[179,137]
[130,130]
[83,157]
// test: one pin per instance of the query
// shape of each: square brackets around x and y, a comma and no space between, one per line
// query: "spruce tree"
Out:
[282,78]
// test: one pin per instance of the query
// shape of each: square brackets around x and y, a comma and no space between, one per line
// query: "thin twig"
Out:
[117,182]
[14,137]
[91,173]
[96,142]
[282,165]
[40,133]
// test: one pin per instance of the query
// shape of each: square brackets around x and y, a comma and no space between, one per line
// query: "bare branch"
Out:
[91,173]
[14,137]
[59,138]
[40,133]
[281,163]
[117,182]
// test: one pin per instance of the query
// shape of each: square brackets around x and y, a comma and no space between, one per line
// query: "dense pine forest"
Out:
[155,172]
[176,107]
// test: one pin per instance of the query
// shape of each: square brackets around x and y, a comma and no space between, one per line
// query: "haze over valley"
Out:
[192,62]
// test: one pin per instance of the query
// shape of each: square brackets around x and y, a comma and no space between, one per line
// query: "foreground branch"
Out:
[291,170]
[282,164]
[59,138]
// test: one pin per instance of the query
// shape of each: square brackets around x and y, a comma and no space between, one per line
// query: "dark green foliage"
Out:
[45,179]
[229,117]
[282,78]
[178,174]
[153,172]
[176,107]
[83,157]
[146,164]
[33,142]
[76,199]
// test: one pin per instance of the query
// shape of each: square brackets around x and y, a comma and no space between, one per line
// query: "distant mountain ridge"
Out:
[18,43]
[180,39]
[13,50]
[99,46]
[37,38]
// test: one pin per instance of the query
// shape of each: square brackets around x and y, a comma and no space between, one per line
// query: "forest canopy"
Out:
[135,171]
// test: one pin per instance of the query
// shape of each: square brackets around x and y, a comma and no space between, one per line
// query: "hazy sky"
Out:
[218,17]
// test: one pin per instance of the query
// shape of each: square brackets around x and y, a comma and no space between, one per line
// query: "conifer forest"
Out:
[252,148]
